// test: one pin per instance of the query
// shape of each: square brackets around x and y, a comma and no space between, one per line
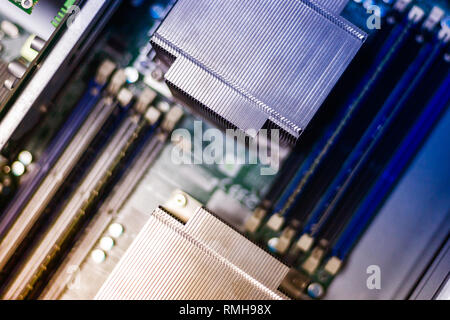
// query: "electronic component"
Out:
[387,114]
[255,70]
[395,167]
[305,224]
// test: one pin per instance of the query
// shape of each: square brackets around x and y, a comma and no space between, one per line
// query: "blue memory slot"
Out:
[53,152]
[396,102]
[84,107]
[389,51]
[393,171]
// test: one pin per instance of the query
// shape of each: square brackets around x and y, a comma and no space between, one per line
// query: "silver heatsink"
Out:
[201,259]
[257,63]
[335,6]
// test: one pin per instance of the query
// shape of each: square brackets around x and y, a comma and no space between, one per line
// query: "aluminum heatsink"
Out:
[335,6]
[201,259]
[257,63]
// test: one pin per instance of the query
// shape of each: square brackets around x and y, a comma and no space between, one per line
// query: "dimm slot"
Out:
[363,151]
[130,172]
[384,59]
[52,153]
[324,176]
[107,212]
[75,209]
[384,151]
[402,157]
[56,177]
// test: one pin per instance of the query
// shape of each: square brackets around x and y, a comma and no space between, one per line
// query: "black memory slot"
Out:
[383,152]
[354,131]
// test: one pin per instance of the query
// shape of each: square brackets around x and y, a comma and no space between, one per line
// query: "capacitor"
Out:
[10,29]
[37,44]
[17,69]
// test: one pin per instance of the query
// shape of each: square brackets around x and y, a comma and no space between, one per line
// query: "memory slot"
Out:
[382,64]
[75,209]
[384,151]
[348,140]
[288,170]
[55,179]
[373,135]
[62,195]
[150,146]
[323,176]
[116,191]
[141,164]
[107,212]
[52,153]
[393,171]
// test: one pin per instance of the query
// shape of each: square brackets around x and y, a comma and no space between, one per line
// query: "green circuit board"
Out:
[25,5]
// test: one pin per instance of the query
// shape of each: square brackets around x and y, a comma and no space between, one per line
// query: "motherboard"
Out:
[199,149]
